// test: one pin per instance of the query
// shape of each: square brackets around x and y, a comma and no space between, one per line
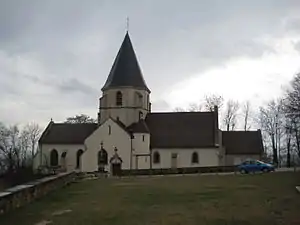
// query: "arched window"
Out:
[195,157]
[53,158]
[109,130]
[156,157]
[102,157]
[119,97]
[140,115]
[147,102]
[78,156]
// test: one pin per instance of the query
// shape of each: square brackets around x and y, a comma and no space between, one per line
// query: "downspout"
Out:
[150,158]
[131,137]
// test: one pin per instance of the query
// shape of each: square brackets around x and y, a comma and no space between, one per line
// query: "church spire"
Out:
[125,71]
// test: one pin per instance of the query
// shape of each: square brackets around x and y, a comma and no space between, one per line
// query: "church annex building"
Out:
[128,135]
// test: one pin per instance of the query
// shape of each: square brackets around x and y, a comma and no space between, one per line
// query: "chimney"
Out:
[216,125]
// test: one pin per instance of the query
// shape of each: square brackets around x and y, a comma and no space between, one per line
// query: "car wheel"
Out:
[265,170]
[243,171]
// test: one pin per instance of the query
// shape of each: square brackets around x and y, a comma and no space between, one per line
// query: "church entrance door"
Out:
[116,169]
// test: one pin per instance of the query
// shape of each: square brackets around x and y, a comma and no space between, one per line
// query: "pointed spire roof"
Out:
[125,71]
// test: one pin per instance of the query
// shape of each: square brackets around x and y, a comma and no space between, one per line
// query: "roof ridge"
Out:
[198,112]
[72,123]
[241,131]
[46,131]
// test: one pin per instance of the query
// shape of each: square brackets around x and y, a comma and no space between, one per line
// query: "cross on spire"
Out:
[127,24]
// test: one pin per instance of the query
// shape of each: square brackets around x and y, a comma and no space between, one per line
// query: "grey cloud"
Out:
[297,46]
[67,47]
[74,85]
[292,24]
[160,105]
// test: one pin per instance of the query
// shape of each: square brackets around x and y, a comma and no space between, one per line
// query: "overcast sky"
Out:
[56,54]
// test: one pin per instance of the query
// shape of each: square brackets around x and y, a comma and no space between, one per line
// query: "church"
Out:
[129,136]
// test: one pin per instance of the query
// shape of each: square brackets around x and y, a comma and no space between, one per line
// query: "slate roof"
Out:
[125,71]
[139,127]
[181,129]
[167,130]
[67,133]
[122,125]
[243,142]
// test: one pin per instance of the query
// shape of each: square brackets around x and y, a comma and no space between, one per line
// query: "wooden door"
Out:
[116,169]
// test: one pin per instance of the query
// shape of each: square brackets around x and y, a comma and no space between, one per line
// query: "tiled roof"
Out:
[139,127]
[243,142]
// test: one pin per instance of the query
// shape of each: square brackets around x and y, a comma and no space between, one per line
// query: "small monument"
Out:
[102,159]
[116,163]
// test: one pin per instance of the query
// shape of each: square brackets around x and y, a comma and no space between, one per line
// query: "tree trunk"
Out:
[275,157]
[288,156]
[297,142]
[32,153]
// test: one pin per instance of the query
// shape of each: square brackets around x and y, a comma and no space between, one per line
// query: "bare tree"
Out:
[230,117]
[15,143]
[292,109]
[82,118]
[194,107]
[246,111]
[179,109]
[24,146]
[9,146]
[296,135]
[213,100]
[293,97]
[288,138]
[17,147]
[270,120]
[33,131]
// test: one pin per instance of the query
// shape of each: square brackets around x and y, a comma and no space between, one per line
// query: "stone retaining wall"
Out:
[20,195]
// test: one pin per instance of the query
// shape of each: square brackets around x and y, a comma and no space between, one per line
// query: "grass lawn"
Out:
[215,200]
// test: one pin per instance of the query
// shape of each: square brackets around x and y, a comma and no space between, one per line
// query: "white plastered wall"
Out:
[207,157]
[129,111]
[118,138]
[71,156]
[141,157]
[237,159]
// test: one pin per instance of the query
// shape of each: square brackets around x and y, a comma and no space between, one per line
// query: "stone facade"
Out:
[21,195]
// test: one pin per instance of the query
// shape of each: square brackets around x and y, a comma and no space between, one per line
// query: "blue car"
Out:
[253,165]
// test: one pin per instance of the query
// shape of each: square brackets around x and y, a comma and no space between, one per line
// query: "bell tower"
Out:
[125,95]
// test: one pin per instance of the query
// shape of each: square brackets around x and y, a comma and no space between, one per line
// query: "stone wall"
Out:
[21,195]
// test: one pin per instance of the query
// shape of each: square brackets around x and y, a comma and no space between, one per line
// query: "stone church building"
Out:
[128,135]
